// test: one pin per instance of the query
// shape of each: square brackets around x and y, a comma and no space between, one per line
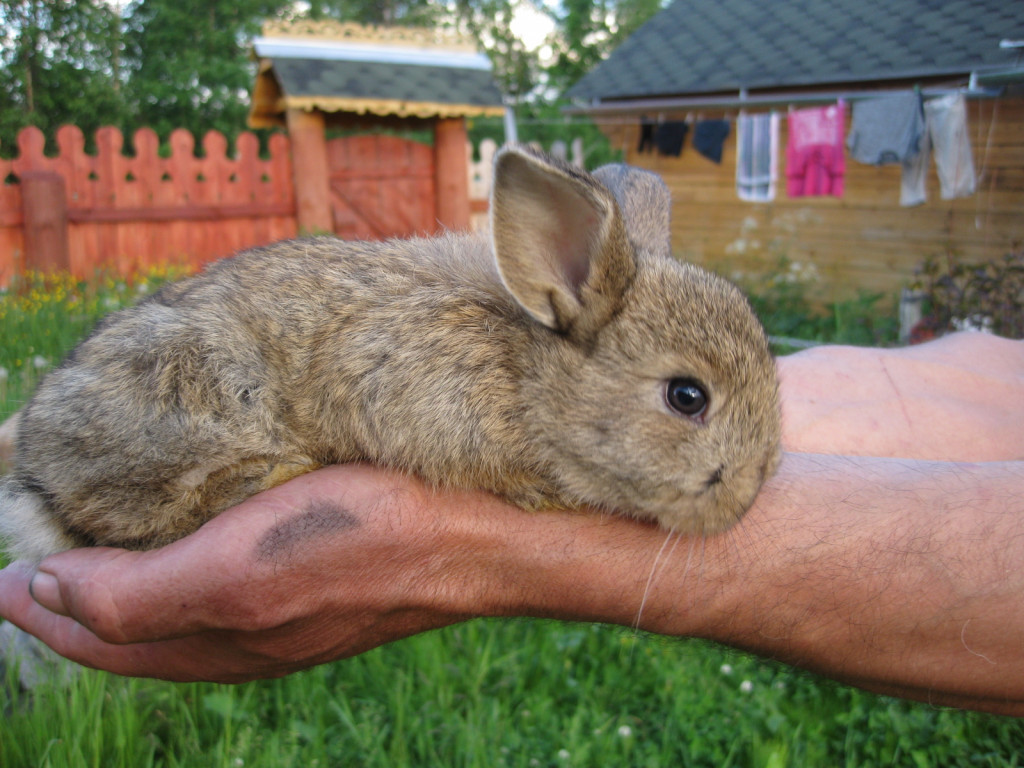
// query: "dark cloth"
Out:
[646,135]
[669,138]
[708,138]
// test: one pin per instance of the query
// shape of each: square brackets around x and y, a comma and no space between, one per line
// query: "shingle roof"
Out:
[715,46]
[385,80]
[387,71]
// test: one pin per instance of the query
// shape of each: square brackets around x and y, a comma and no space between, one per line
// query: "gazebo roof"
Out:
[385,71]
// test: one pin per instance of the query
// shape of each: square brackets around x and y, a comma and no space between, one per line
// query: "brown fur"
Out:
[532,364]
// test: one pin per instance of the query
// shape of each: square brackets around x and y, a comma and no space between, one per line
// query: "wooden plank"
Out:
[310,170]
[451,174]
[45,221]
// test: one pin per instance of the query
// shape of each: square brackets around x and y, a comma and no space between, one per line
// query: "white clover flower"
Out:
[746,686]
[39,362]
[725,669]
[563,754]
[625,731]
[3,373]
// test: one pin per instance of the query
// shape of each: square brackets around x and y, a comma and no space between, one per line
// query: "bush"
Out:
[783,300]
[983,296]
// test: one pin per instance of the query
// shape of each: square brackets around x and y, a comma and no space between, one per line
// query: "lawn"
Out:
[486,693]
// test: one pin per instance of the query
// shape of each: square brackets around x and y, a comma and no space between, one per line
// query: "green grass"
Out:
[487,693]
[501,693]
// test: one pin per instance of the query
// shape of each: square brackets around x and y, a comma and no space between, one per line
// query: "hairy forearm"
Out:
[903,577]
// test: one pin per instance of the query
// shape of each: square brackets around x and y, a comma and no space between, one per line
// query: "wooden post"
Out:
[45,212]
[310,171]
[451,174]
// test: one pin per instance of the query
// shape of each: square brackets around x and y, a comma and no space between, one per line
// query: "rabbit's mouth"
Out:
[711,504]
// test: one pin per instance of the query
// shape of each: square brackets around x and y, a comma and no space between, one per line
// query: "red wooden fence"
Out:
[82,212]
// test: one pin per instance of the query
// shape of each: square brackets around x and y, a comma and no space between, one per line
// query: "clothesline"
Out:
[600,113]
[898,127]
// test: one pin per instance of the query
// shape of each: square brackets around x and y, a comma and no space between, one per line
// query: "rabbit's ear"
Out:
[645,203]
[559,241]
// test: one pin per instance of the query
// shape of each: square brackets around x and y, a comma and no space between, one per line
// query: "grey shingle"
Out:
[700,46]
[400,82]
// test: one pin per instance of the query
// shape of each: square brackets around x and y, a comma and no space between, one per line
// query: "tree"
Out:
[59,63]
[417,13]
[489,22]
[588,30]
[189,64]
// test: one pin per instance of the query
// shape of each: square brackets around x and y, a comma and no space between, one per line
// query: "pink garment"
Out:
[815,156]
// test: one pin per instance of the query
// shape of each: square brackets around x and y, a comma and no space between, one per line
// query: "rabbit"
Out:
[563,360]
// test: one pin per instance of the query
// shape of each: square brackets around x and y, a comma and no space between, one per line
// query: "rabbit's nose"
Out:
[714,478]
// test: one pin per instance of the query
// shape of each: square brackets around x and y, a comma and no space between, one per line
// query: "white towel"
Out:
[757,157]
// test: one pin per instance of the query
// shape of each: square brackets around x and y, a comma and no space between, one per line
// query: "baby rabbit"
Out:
[566,360]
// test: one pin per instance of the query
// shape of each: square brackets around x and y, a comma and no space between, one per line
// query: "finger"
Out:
[201,657]
[64,635]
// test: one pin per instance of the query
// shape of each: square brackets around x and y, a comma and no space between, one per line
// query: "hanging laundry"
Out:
[886,129]
[915,174]
[815,159]
[669,138]
[947,128]
[708,138]
[757,157]
[946,136]
[646,135]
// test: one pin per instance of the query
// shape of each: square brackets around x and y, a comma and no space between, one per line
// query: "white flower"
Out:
[625,731]
[726,669]
[3,373]
[746,686]
[39,362]
[563,754]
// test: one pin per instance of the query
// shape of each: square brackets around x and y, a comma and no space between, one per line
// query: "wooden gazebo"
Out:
[319,75]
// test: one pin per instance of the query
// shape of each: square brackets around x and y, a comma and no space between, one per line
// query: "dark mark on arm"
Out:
[321,518]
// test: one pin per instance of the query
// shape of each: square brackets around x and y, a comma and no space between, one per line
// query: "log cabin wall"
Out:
[864,240]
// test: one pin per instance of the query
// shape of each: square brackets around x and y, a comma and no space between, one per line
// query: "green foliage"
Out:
[988,295]
[489,22]
[60,62]
[169,64]
[417,13]
[189,64]
[545,124]
[784,300]
[589,31]
[43,316]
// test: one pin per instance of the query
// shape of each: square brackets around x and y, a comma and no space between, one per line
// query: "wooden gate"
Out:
[381,187]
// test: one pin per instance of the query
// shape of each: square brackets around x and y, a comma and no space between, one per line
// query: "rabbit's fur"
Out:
[532,363]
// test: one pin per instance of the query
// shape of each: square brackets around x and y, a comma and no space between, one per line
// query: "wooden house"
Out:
[699,62]
[320,75]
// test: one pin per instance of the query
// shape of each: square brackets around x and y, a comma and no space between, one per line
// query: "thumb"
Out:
[125,596]
[99,588]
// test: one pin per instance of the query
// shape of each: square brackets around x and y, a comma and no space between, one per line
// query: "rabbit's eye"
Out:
[686,397]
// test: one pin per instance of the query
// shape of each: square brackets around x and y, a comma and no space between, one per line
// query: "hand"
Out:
[323,567]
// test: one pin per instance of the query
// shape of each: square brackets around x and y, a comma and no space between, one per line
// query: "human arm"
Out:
[899,576]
